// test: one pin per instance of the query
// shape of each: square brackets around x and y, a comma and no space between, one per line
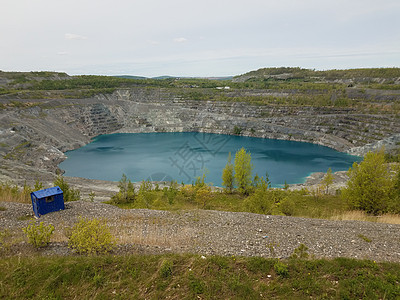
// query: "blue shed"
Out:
[47,200]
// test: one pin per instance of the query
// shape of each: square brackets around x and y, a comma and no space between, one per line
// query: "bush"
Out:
[264,201]
[300,252]
[288,206]
[370,187]
[91,237]
[189,192]
[69,193]
[281,269]
[203,196]
[259,202]
[126,192]
[38,235]
[237,130]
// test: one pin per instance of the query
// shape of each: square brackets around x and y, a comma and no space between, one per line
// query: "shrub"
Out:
[38,235]
[300,252]
[69,193]
[203,196]
[237,130]
[281,269]
[259,202]
[171,192]
[264,201]
[91,237]
[288,206]
[188,191]
[370,187]
[126,192]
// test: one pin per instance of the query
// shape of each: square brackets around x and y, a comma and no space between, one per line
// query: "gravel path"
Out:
[214,232]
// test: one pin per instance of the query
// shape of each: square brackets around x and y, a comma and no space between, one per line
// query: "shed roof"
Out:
[48,192]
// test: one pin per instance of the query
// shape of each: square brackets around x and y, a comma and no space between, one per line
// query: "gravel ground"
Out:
[212,232]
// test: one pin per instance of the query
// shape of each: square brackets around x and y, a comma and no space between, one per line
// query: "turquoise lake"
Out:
[184,156]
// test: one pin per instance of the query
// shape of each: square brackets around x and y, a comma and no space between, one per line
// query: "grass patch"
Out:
[357,215]
[12,193]
[280,202]
[191,276]
[363,237]
[292,203]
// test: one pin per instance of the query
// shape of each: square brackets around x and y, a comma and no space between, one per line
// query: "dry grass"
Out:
[151,231]
[389,219]
[357,215]
[11,193]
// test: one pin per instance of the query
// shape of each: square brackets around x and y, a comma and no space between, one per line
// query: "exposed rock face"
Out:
[38,135]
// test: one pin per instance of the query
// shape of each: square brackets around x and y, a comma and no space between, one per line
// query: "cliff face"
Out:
[34,137]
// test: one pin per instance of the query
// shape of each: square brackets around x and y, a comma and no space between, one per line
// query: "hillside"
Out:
[43,114]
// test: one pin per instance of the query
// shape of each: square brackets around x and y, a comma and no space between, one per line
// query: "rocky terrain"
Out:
[213,232]
[35,133]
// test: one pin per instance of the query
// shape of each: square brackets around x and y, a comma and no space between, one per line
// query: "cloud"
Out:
[62,53]
[73,36]
[180,40]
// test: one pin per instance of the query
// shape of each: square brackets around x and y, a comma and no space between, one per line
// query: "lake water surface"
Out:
[184,156]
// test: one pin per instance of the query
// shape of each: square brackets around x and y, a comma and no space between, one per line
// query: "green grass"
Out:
[297,204]
[191,277]
[365,238]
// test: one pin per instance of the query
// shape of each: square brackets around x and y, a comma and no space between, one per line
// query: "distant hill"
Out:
[130,77]
[285,73]
[163,77]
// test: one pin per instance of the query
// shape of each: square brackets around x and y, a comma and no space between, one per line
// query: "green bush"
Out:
[259,202]
[237,130]
[288,206]
[38,235]
[281,269]
[264,201]
[300,252]
[370,187]
[69,193]
[91,237]
[126,192]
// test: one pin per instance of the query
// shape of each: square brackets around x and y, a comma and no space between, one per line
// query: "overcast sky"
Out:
[196,38]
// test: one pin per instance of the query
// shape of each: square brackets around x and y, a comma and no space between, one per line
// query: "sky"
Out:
[196,38]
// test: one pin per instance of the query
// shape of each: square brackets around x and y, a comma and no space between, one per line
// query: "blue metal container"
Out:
[47,200]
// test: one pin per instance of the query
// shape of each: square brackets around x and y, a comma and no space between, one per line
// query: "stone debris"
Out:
[206,232]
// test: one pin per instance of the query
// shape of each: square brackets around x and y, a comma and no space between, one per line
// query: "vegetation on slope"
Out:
[361,74]
[373,188]
[304,83]
[192,276]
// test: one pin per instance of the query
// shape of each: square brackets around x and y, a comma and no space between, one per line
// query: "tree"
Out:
[126,191]
[370,187]
[327,180]
[228,177]
[243,168]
